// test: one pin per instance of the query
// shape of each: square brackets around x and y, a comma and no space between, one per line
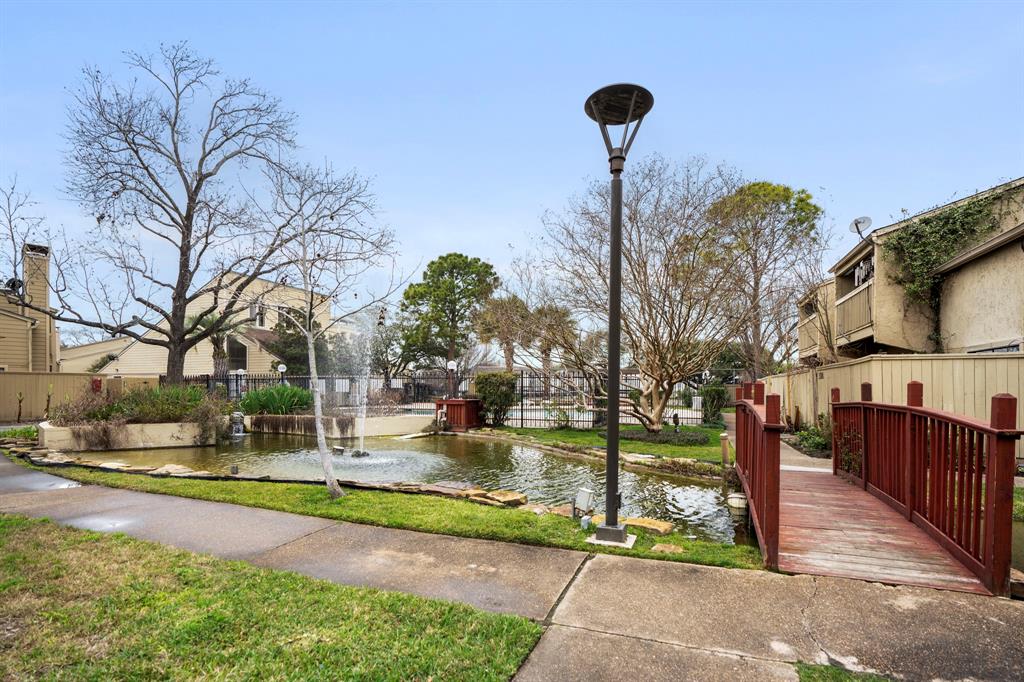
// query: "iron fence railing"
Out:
[565,398]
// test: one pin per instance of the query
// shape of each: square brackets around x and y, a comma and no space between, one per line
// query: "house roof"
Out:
[866,245]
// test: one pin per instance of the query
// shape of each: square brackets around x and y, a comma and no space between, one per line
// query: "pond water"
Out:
[697,507]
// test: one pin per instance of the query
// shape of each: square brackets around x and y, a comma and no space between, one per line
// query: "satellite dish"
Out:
[859,225]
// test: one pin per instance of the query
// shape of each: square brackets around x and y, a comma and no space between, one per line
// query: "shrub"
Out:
[278,399]
[143,406]
[498,394]
[715,396]
[813,439]
[20,432]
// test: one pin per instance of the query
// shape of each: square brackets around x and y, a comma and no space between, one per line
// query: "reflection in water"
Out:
[696,507]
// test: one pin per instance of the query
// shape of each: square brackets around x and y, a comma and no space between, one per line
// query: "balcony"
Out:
[854,315]
[807,337]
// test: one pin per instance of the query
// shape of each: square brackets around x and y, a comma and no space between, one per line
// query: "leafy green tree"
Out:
[442,307]
[772,228]
[291,346]
[506,321]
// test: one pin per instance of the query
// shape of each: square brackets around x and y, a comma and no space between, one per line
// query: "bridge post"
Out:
[912,459]
[833,399]
[772,418]
[759,393]
[748,390]
[999,493]
[865,396]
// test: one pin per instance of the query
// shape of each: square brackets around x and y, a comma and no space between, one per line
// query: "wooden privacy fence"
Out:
[962,383]
[949,474]
[758,428]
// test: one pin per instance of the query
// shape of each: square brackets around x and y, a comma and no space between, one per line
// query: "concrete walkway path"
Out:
[606,617]
[789,457]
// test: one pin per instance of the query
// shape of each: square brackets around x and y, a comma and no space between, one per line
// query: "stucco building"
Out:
[981,294]
[246,347]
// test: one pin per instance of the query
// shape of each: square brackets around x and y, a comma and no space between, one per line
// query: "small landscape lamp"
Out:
[281,369]
[583,504]
[623,105]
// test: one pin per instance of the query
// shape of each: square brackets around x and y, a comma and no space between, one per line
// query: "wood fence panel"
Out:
[962,383]
[34,388]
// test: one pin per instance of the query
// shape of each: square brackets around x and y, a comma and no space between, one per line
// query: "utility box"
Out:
[462,414]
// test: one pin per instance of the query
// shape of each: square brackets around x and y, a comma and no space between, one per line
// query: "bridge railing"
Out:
[758,427]
[950,475]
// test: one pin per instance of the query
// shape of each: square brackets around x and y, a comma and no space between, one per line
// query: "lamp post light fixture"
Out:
[281,369]
[621,104]
[452,366]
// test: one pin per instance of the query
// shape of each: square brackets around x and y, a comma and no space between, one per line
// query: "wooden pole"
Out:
[911,457]
[833,401]
[999,493]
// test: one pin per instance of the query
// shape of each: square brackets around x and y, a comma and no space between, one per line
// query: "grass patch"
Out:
[1018,504]
[831,673]
[82,605]
[20,432]
[712,452]
[425,513]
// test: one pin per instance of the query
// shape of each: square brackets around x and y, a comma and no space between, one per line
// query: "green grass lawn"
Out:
[1018,504]
[712,452]
[426,513]
[81,605]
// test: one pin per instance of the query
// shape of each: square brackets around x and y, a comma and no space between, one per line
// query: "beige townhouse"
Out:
[863,311]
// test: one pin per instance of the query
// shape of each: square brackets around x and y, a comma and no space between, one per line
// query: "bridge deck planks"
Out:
[828,526]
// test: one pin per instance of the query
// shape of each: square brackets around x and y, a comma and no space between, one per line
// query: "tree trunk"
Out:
[220,356]
[175,363]
[545,364]
[509,350]
[318,414]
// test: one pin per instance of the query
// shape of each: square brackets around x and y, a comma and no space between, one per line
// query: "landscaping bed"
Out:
[83,605]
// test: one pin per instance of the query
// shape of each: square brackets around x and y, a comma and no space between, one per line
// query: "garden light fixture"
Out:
[623,105]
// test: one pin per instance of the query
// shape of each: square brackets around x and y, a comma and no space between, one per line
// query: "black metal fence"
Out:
[566,398]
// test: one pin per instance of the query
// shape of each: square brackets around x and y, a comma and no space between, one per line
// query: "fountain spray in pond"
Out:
[363,343]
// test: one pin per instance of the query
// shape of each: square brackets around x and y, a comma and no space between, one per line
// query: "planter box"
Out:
[463,414]
[126,437]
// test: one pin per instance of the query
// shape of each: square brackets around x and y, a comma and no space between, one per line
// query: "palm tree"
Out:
[552,324]
[506,320]
[218,339]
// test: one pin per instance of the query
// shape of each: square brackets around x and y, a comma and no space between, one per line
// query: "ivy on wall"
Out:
[920,247]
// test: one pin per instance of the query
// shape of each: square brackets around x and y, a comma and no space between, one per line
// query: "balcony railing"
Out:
[853,312]
[808,335]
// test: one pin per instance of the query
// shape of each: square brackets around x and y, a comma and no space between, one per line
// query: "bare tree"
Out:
[678,307]
[149,160]
[329,249]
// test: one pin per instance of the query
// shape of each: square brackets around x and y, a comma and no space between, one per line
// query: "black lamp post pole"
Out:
[611,530]
[620,104]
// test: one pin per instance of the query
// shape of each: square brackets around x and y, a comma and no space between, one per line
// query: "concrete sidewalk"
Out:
[606,617]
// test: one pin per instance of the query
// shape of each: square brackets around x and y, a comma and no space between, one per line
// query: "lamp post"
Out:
[281,369]
[616,105]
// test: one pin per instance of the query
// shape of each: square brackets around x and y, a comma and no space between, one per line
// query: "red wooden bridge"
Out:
[916,497]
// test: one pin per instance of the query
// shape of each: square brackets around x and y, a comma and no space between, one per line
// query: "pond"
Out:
[697,507]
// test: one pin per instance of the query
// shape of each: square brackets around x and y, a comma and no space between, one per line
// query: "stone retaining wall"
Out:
[104,436]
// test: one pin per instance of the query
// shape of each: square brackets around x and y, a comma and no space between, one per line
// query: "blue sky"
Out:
[469,116]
